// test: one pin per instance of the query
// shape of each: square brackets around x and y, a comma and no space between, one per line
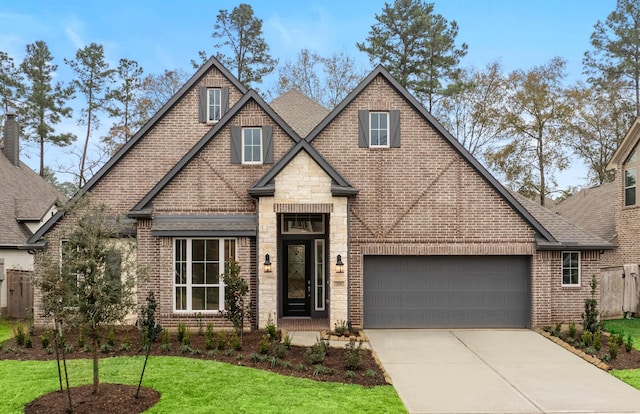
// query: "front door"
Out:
[297,278]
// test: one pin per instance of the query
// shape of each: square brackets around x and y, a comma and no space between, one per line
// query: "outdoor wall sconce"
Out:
[267,263]
[339,265]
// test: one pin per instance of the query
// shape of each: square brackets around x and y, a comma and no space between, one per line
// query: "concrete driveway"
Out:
[495,371]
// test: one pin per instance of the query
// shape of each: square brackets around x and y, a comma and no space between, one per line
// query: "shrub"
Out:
[222,341]
[165,339]
[265,344]
[349,374]
[613,349]
[590,316]
[280,350]
[186,338]
[209,337]
[616,339]
[235,341]
[28,343]
[20,334]
[126,344]
[106,348]
[287,341]
[45,338]
[274,362]
[557,331]
[271,329]
[236,288]
[111,336]
[587,338]
[254,357]
[182,329]
[628,343]
[597,340]
[370,373]
[590,350]
[285,364]
[317,353]
[301,367]
[353,355]
[340,328]
[199,322]
[572,330]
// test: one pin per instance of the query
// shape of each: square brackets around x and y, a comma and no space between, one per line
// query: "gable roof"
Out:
[592,210]
[265,185]
[566,234]
[475,164]
[24,196]
[300,111]
[142,207]
[191,83]
[627,144]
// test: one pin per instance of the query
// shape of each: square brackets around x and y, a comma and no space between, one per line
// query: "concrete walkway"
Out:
[495,371]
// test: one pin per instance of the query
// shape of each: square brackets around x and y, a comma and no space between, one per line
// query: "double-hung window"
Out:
[252,145]
[199,264]
[379,129]
[570,268]
[630,180]
[214,104]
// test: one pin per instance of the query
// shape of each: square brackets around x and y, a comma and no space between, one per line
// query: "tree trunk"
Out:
[543,188]
[96,376]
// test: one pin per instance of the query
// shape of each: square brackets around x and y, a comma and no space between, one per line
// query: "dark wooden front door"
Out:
[297,278]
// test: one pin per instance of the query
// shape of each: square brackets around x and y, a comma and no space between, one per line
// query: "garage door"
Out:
[446,292]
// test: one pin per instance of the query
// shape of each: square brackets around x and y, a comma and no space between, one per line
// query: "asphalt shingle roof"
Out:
[299,111]
[24,196]
[567,234]
[592,209]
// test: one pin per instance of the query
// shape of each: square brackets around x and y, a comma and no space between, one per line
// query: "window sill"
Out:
[578,286]
[195,314]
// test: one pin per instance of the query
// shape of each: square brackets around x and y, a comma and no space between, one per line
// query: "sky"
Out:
[162,34]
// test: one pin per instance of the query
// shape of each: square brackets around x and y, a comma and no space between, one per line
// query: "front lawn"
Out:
[6,330]
[198,386]
[630,376]
[626,327]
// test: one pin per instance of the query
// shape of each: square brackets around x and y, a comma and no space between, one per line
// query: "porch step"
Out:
[303,324]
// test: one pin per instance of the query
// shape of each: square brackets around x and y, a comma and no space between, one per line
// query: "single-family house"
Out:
[371,213]
[27,201]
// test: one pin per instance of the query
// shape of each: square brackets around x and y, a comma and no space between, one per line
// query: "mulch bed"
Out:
[117,395]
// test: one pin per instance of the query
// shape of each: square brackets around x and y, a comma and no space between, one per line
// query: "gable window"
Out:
[214,108]
[570,268]
[199,264]
[213,103]
[378,129]
[629,186]
[252,146]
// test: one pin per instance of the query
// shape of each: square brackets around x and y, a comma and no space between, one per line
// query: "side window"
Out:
[630,187]
[251,145]
[213,104]
[570,268]
[379,129]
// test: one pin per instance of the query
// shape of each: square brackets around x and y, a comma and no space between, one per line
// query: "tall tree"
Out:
[156,90]
[472,114]
[241,32]
[11,82]
[326,80]
[417,47]
[121,103]
[616,50]
[601,118]
[535,114]
[45,103]
[93,75]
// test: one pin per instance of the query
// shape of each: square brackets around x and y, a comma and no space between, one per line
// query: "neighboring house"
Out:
[372,213]
[27,201]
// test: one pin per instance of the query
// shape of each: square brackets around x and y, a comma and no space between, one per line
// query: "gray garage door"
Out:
[446,292]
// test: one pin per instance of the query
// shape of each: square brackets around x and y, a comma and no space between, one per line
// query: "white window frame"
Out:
[577,253]
[189,285]
[213,105]
[371,129]
[244,159]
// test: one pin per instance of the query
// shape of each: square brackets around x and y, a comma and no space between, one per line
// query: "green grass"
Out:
[197,386]
[626,326]
[6,330]
[630,376]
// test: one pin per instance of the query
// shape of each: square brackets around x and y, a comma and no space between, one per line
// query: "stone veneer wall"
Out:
[305,184]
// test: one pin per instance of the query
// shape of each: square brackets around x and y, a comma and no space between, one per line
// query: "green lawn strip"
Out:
[630,376]
[628,326]
[196,386]
[6,330]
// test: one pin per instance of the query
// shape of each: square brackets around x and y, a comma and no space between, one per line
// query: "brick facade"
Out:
[423,198]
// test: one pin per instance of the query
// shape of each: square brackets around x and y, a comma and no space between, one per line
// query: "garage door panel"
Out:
[446,291]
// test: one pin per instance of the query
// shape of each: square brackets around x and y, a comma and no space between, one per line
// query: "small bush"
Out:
[265,344]
[572,330]
[212,353]
[613,349]
[349,374]
[186,338]
[628,343]
[68,348]
[274,362]
[286,364]
[316,354]
[229,352]
[287,341]
[106,348]
[184,349]
[28,343]
[239,357]
[590,350]
[590,315]
[597,340]
[557,330]
[20,334]
[200,325]
[221,341]
[587,338]
[616,339]
[271,329]
[45,338]
[235,341]
[570,340]
[280,350]
[301,367]
[370,373]
[111,336]
[209,337]
[182,330]
[606,358]
[126,344]
[340,328]
[209,343]
[254,357]
[321,370]
[353,355]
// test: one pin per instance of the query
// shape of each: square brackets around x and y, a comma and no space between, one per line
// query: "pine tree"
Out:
[45,103]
